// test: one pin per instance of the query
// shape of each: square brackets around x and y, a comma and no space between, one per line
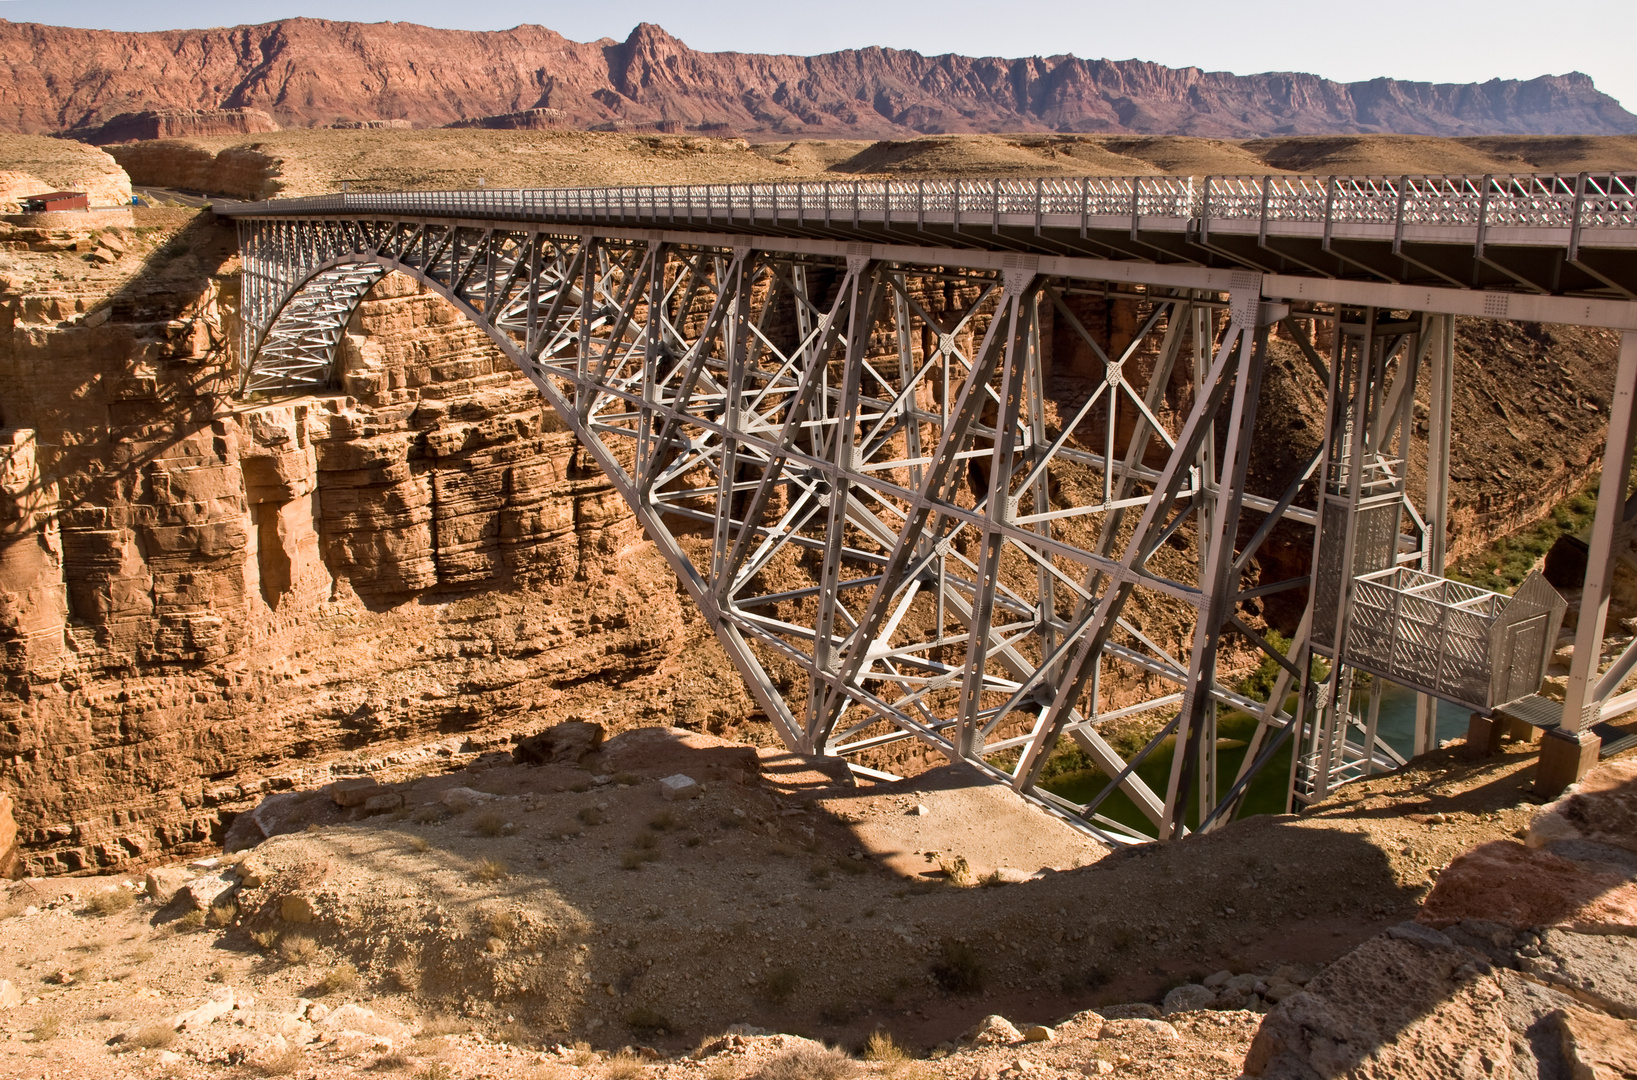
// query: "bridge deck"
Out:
[1549,234]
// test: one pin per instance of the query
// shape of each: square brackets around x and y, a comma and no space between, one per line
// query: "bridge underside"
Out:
[953,497]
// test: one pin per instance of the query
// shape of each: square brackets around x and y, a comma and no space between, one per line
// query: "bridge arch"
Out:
[835,442]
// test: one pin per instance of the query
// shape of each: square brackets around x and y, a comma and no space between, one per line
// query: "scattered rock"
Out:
[993,1031]
[1189,997]
[163,881]
[566,742]
[680,786]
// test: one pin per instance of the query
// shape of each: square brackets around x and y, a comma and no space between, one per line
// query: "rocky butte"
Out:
[314,72]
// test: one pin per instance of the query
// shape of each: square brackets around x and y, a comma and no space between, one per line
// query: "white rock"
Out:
[464,798]
[204,892]
[1038,1033]
[1218,980]
[218,1005]
[921,810]
[10,996]
[163,881]
[680,786]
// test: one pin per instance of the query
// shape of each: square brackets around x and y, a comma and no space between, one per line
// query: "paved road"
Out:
[148,195]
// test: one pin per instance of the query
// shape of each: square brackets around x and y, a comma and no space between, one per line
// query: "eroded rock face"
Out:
[191,585]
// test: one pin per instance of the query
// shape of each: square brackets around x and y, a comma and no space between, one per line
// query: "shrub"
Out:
[419,843]
[958,969]
[222,914]
[341,979]
[427,815]
[590,815]
[811,1061]
[153,1037]
[488,869]
[46,1027]
[490,824]
[280,1062]
[880,1047]
[645,1023]
[193,920]
[624,1066]
[297,948]
[264,939]
[407,974]
[664,821]
[501,924]
[958,872]
[110,902]
[779,984]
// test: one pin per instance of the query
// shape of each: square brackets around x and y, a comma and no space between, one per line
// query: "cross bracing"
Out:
[900,518]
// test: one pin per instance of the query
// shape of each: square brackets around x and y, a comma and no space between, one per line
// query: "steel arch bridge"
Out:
[834,409]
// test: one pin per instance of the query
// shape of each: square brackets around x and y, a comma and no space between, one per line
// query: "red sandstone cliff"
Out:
[313,72]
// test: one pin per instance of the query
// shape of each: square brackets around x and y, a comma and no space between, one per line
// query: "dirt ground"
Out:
[504,909]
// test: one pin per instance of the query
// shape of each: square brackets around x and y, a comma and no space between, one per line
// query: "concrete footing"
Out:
[1564,758]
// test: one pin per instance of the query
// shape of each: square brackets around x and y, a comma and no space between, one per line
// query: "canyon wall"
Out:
[313,72]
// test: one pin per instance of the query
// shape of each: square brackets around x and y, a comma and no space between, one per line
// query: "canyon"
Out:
[205,599]
[314,72]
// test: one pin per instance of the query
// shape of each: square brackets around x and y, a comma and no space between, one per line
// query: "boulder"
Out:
[1597,1047]
[355,791]
[382,802]
[1217,980]
[219,1004]
[1601,970]
[204,893]
[1135,1010]
[1519,887]
[566,742]
[1189,997]
[677,787]
[163,881]
[1038,1033]
[994,1031]
[1601,808]
[460,799]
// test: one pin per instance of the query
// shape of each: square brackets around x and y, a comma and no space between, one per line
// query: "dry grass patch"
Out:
[487,869]
[491,824]
[624,1066]
[297,948]
[110,902]
[46,1027]
[341,979]
[419,843]
[222,914]
[193,920]
[813,1061]
[153,1037]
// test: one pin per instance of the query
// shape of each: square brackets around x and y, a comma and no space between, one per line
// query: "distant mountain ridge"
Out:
[312,72]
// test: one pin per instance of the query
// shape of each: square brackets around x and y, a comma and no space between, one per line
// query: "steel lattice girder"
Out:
[892,527]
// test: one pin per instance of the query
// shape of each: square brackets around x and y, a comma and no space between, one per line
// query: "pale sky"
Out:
[1429,40]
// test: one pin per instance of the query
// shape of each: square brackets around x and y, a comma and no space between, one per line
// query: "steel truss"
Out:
[861,469]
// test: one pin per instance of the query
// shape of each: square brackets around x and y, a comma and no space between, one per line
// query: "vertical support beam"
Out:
[1440,384]
[1567,751]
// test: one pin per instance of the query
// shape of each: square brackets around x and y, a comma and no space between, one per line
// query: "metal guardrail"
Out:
[1576,203]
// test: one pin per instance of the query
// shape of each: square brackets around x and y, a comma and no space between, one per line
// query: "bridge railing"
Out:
[1601,201]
